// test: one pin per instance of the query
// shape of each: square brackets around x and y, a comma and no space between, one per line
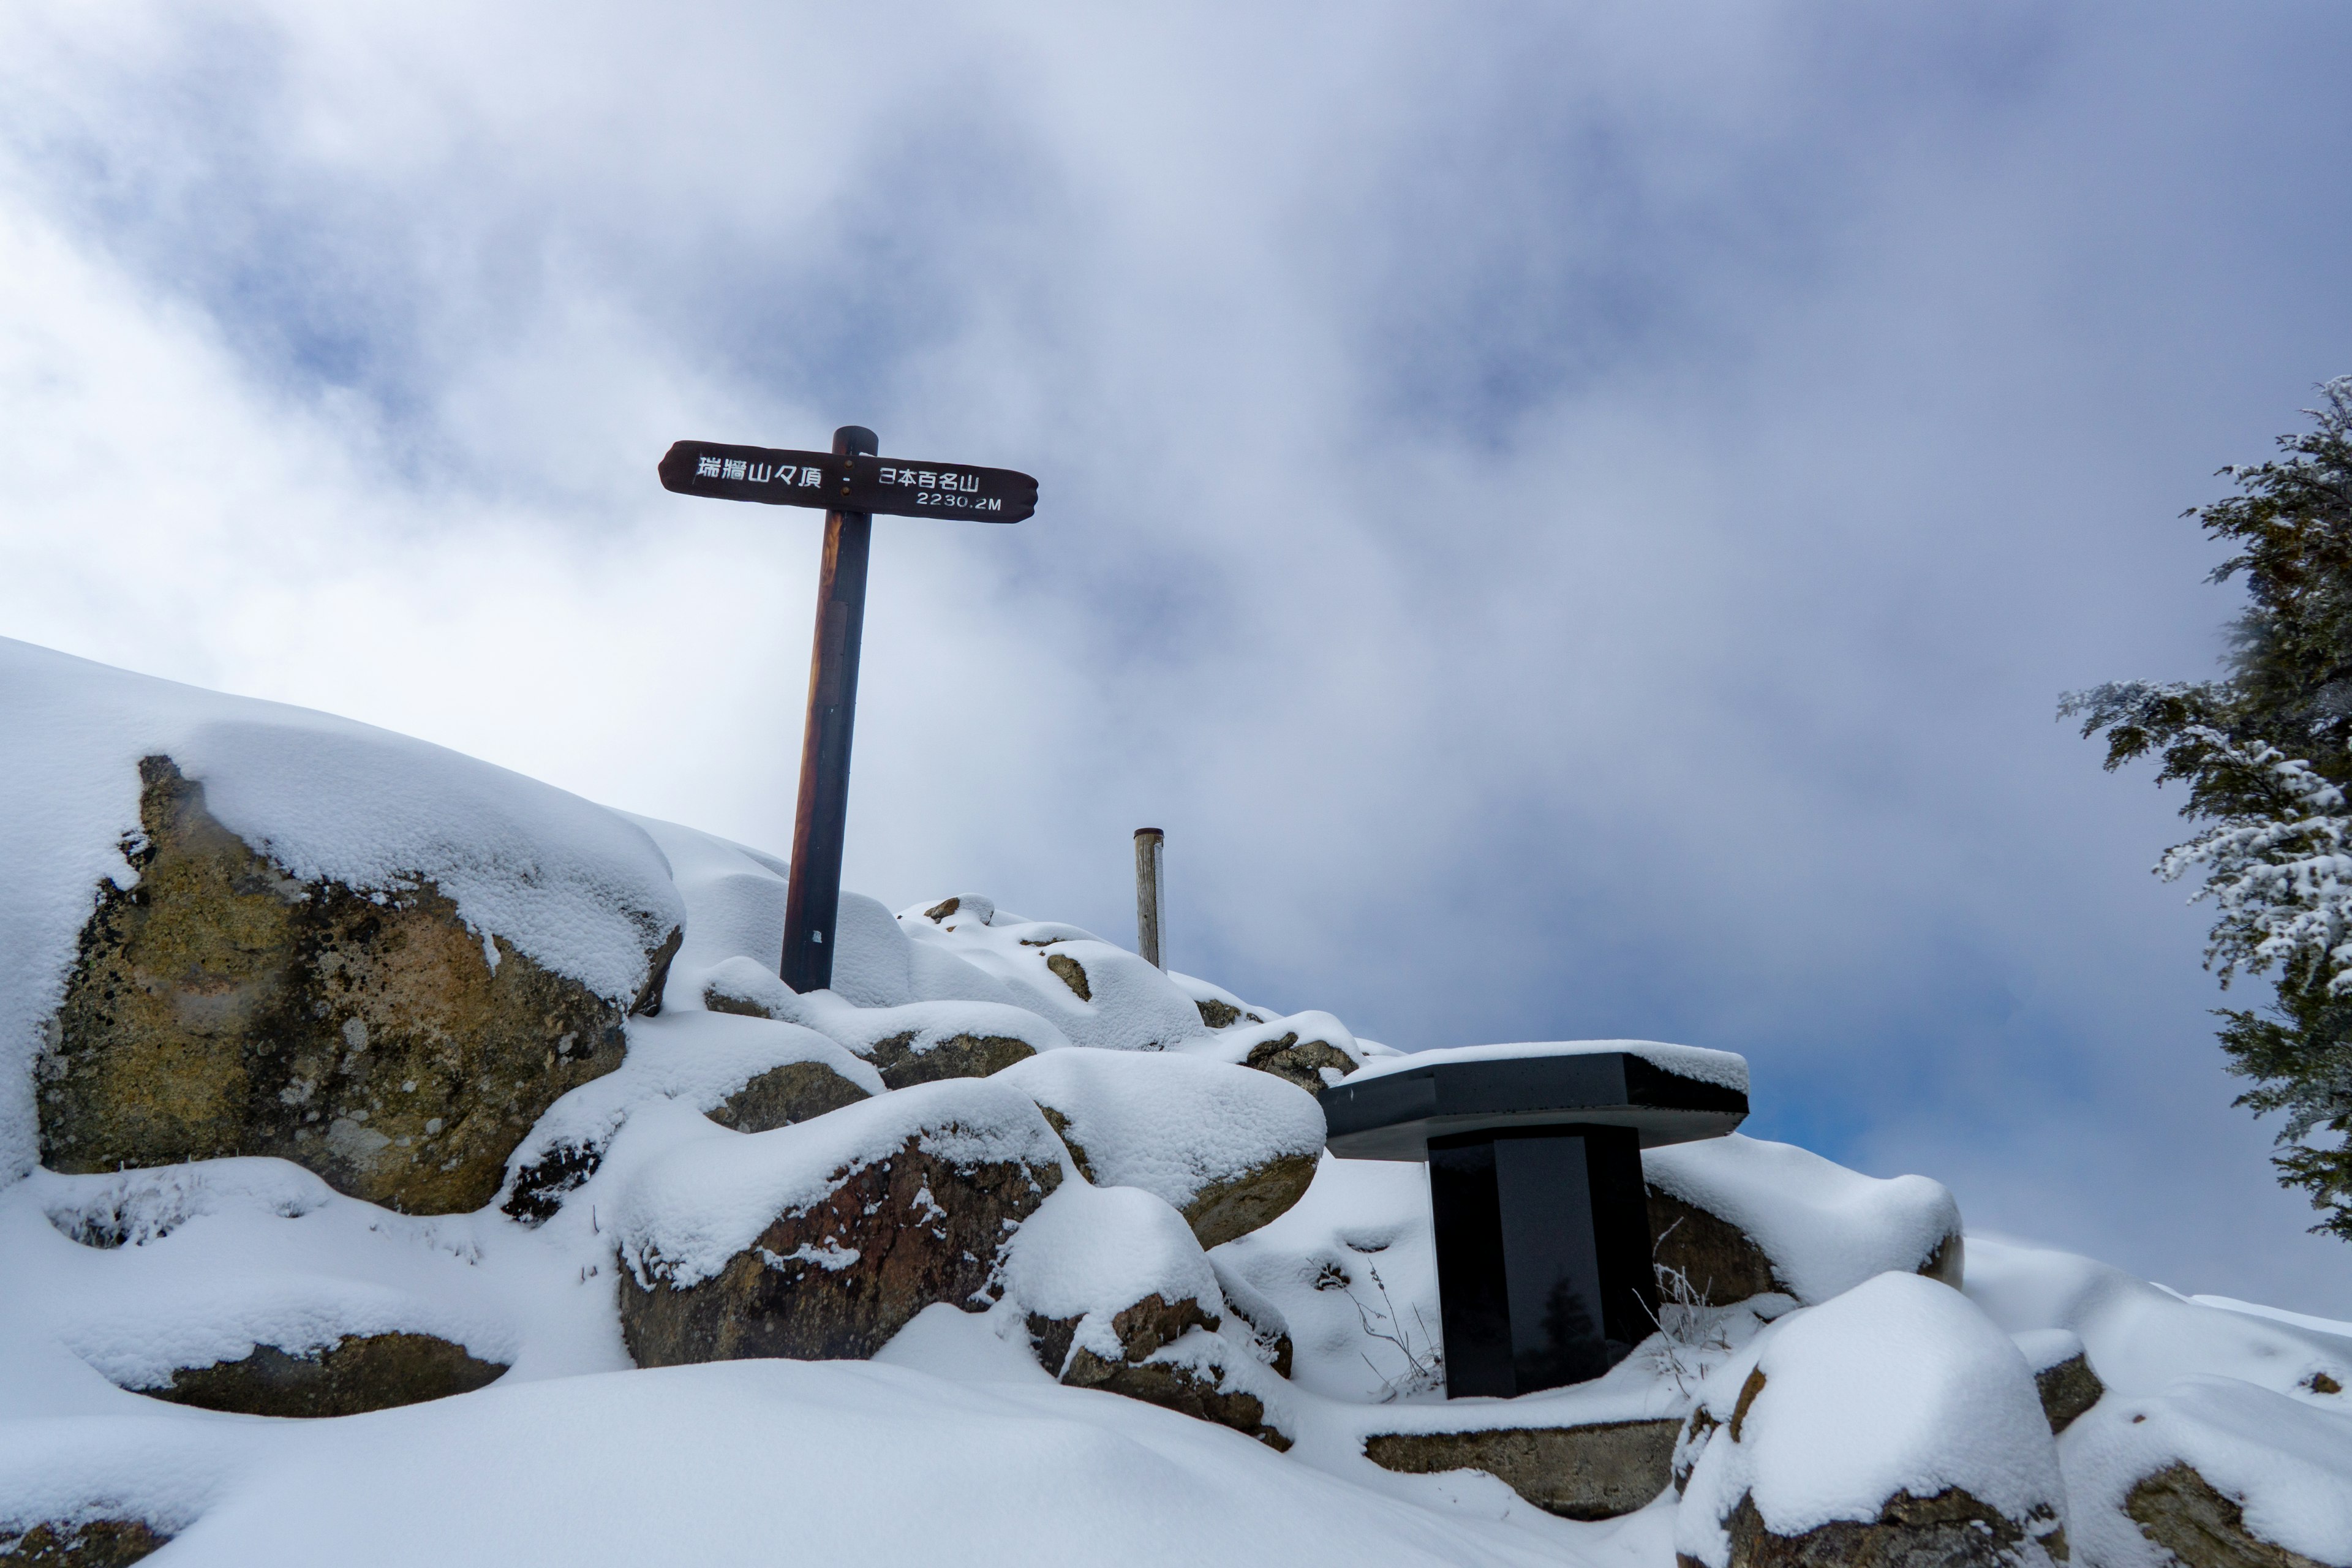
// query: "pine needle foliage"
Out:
[2266,754]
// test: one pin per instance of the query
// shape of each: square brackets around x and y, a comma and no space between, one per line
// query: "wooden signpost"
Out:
[851,484]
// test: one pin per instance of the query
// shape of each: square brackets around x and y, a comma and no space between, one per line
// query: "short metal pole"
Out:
[1151,902]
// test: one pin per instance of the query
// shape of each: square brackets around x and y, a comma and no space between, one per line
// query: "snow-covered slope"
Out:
[954,1443]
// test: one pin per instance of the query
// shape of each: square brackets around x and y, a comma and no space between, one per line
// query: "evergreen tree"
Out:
[2266,754]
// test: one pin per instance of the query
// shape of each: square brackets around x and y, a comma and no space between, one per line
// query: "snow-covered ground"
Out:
[954,1443]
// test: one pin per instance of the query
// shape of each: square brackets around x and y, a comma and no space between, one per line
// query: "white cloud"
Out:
[1575,525]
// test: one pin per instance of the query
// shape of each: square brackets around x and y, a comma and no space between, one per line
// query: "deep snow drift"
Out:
[1857,1379]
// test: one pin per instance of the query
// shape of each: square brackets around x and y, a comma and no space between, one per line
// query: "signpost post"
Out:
[852,484]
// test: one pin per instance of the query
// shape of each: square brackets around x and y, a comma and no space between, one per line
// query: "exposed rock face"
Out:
[358,1374]
[781,1096]
[222,1007]
[1721,1261]
[1577,1472]
[2179,1510]
[1142,1328]
[1949,1529]
[2068,1389]
[836,1277]
[958,1056]
[1218,1014]
[1198,1375]
[1072,974]
[1302,1065]
[1224,1210]
[96,1543]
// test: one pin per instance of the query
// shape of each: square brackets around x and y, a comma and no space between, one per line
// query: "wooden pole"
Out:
[1150,904]
[813,896]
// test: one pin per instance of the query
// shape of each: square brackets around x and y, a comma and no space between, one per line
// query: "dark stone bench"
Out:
[1534,1184]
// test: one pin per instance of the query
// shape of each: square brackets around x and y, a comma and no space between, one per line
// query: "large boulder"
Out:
[1117,1295]
[1597,1471]
[822,1240]
[1228,1149]
[358,1373]
[1893,1426]
[227,1002]
[1739,1216]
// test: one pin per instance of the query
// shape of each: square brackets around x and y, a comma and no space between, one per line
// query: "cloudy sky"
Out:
[1575,517]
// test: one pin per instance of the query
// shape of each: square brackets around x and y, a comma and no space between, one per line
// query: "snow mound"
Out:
[1096,994]
[1898,1386]
[708,1196]
[1825,1229]
[2287,1463]
[1353,1269]
[1727,1069]
[577,887]
[1091,1252]
[1172,1125]
[2142,1338]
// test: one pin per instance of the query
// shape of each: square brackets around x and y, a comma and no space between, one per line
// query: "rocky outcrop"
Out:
[1721,1261]
[795,1091]
[2182,1512]
[2068,1389]
[221,1006]
[1287,1057]
[1596,1471]
[356,1375]
[1947,1529]
[910,1058]
[1199,1375]
[1228,1149]
[92,1544]
[914,1196]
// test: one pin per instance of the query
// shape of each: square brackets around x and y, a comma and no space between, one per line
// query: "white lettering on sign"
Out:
[706,467]
[758,473]
[809,477]
[732,468]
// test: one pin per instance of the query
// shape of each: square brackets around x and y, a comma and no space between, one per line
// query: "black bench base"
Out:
[1543,1256]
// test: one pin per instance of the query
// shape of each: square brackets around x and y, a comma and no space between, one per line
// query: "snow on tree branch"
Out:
[2281,876]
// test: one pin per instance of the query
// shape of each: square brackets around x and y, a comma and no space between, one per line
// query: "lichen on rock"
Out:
[219,1006]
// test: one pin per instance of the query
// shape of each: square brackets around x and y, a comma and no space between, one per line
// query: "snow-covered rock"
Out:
[1230,1149]
[1893,1423]
[1596,1471]
[1740,1217]
[751,1074]
[2213,1470]
[2223,1436]
[230,927]
[1310,1049]
[2063,1374]
[823,1239]
[357,1374]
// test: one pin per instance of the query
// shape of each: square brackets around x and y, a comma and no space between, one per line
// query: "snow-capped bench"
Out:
[1535,1182]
